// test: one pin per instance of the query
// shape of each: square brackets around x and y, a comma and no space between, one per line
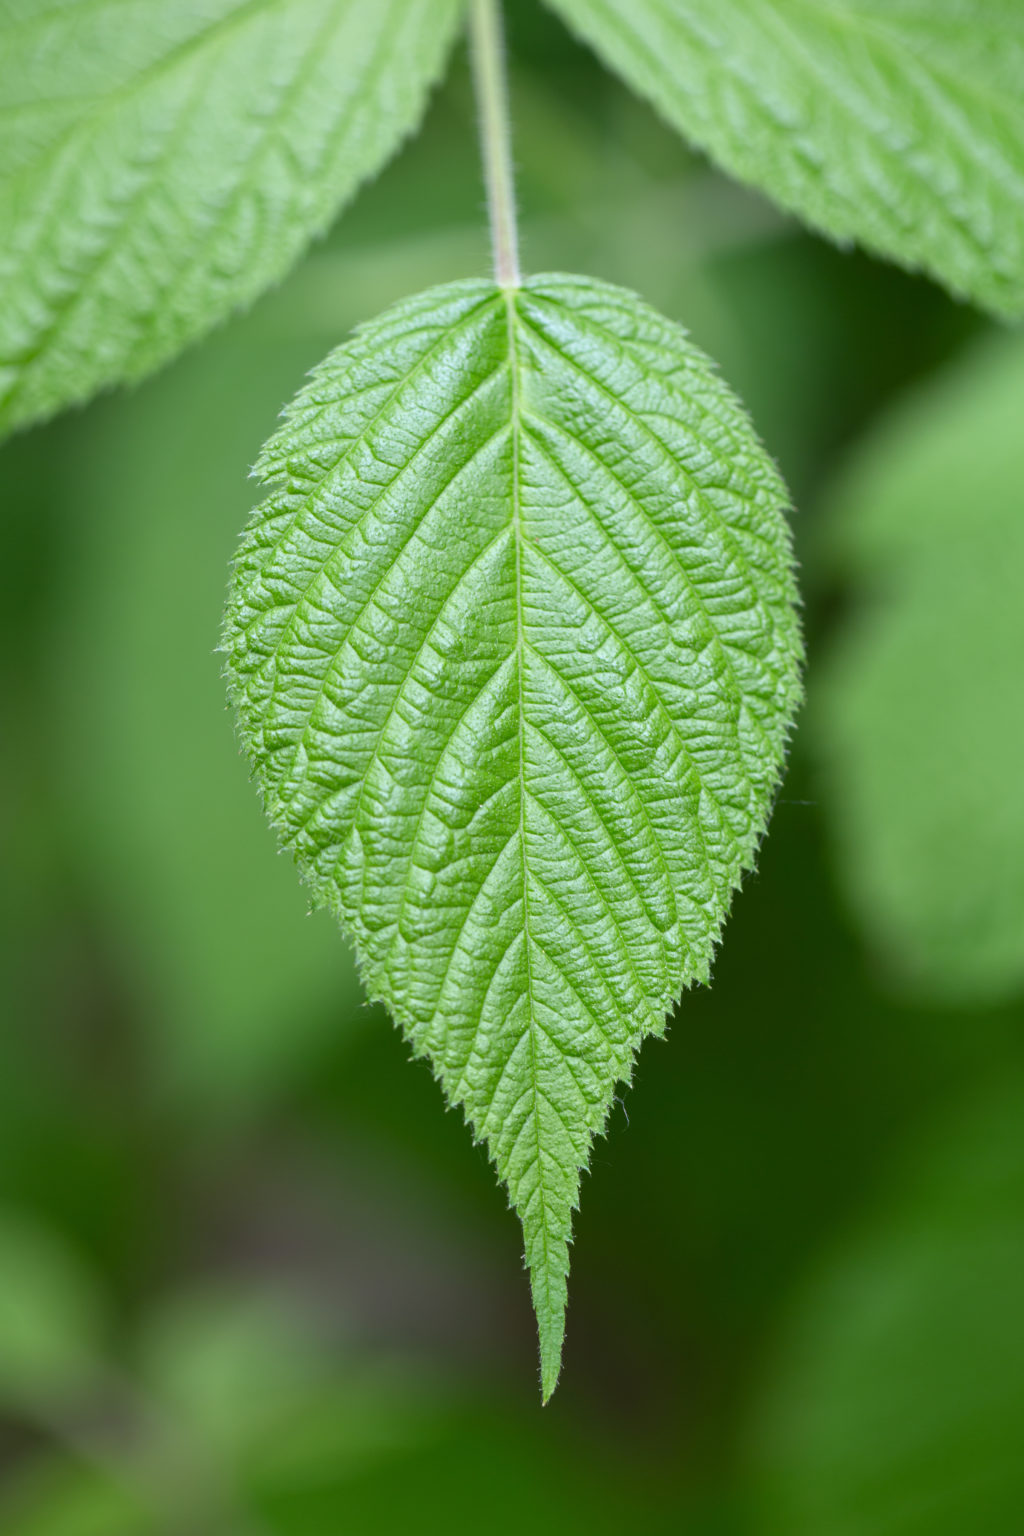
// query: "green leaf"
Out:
[515,655]
[164,161]
[895,123]
[918,715]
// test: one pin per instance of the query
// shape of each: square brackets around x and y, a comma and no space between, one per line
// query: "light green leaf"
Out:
[515,654]
[895,123]
[919,714]
[164,161]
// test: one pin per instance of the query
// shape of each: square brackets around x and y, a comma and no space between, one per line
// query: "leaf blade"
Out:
[896,126]
[174,161]
[459,640]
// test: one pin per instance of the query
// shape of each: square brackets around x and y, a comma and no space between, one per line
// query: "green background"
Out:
[254,1281]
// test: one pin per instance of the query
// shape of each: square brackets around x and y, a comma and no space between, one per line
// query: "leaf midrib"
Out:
[512,320]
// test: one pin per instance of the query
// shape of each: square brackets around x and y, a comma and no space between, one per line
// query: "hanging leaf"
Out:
[514,652]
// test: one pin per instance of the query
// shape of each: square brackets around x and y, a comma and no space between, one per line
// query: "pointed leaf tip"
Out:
[550,1365]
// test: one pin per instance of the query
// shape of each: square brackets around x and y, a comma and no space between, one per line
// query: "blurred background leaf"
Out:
[172,845]
[311,1308]
[920,711]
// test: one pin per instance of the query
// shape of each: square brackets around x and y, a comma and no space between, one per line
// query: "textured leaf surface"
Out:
[163,161]
[514,650]
[895,123]
[920,713]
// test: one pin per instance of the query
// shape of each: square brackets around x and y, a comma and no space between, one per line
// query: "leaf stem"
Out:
[487,49]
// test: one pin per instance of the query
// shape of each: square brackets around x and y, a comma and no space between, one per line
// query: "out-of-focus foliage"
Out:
[921,708]
[900,1403]
[171,854]
[51,1316]
[293,1247]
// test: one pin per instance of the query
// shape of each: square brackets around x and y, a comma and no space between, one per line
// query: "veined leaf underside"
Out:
[514,651]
